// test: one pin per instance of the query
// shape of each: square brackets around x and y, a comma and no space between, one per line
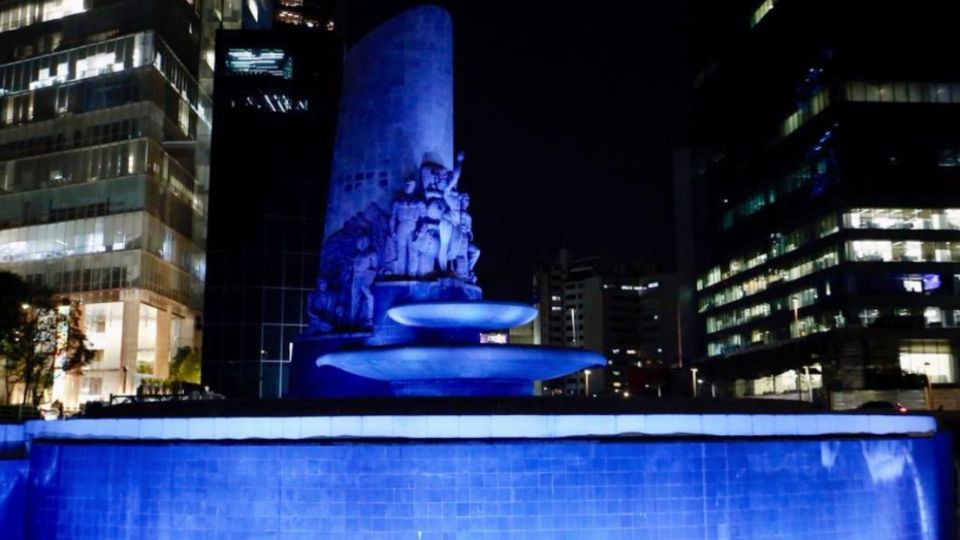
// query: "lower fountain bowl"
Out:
[476,370]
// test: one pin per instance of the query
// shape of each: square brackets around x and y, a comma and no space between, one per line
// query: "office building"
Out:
[306,13]
[627,312]
[276,110]
[833,219]
[103,173]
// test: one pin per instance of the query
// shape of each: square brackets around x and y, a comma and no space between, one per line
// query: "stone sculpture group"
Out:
[428,234]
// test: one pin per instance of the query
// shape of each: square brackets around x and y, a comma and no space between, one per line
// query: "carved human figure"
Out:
[450,219]
[407,211]
[321,312]
[463,252]
[427,244]
[436,179]
[364,273]
[431,178]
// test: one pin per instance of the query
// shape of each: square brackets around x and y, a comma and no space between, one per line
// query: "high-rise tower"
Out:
[834,203]
[103,173]
[276,112]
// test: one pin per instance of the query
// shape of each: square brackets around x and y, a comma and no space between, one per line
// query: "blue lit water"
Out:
[806,489]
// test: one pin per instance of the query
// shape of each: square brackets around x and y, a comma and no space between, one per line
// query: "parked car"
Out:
[882,406]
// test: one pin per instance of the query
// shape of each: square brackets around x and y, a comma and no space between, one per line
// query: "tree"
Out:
[40,334]
[185,365]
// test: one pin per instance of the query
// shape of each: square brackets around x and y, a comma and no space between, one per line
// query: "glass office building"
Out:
[103,172]
[306,13]
[832,240]
[266,211]
[625,311]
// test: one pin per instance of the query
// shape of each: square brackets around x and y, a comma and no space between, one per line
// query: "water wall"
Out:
[878,489]
[13,480]
[469,486]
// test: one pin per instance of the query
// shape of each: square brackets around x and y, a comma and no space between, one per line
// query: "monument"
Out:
[398,309]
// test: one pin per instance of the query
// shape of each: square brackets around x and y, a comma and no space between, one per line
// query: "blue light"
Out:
[445,362]
[473,315]
[931,282]
[449,425]
[566,488]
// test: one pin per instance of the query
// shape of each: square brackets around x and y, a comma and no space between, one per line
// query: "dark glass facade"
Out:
[276,109]
[830,236]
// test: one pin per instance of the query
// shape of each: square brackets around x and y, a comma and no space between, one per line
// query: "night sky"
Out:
[569,113]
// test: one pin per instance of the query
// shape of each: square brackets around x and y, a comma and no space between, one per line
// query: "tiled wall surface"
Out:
[798,489]
[13,481]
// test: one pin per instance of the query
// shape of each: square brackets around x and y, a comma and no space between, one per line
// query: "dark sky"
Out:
[568,112]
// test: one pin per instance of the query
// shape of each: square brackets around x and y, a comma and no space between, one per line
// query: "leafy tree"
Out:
[185,365]
[39,335]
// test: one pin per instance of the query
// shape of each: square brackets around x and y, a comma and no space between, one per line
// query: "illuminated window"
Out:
[762,10]
[902,251]
[913,285]
[22,14]
[902,218]
[95,60]
[933,316]
[933,358]
[871,250]
[760,200]
[289,17]
[901,92]
[868,316]
[494,338]
[807,111]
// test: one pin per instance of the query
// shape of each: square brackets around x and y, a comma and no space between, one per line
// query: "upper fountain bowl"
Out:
[477,315]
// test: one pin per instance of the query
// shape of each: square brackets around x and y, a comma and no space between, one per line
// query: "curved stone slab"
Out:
[396,108]
[472,315]
[431,362]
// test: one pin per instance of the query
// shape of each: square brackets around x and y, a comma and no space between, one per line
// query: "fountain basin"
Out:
[476,315]
[452,362]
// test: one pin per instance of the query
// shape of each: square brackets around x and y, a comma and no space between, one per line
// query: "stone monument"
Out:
[397,309]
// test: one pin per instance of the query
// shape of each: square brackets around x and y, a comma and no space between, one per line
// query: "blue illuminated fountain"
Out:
[397,311]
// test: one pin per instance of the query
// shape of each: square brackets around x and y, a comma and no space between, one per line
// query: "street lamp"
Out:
[586,372]
[693,380]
